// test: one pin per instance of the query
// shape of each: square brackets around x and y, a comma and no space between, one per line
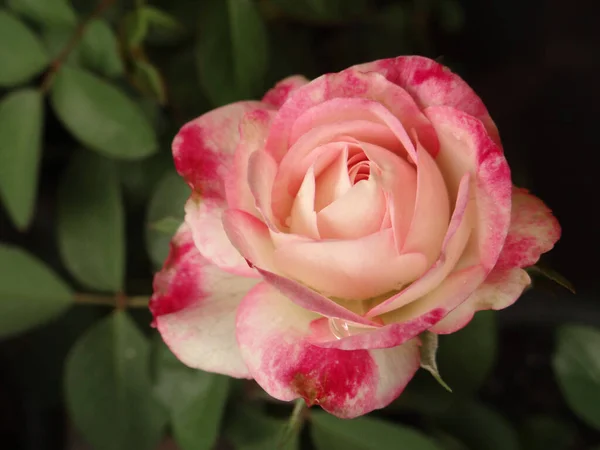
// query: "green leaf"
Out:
[21,123]
[21,52]
[135,28]
[547,433]
[195,400]
[167,201]
[250,429]
[366,433]
[478,427]
[108,387]
[101,116]
[162,27]
[232,52]
[56,39]
[30,294]
[552,275]
[91,222]
[99,49]
[429,346]
[167,225]
[49,13]
[149,81]
[576,363]
[467,357]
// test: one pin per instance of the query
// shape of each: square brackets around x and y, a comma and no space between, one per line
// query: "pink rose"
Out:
[333,222]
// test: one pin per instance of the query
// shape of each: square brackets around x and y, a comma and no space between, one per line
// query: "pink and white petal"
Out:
[354,269]
[204,147]
[250,237]
[432,210]
[341,90]
[452,249]
[501,289]
[253,130]
[533,230]
[310,300]
[465,146]
[204,218]
[278,95]
[333,182]
[194,307]
[432,84]
[303,218]
[262,170]
[271,332]
[357,213]
[398,180]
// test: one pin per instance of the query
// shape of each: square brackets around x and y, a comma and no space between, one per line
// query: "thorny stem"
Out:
[102,6]
[115,301]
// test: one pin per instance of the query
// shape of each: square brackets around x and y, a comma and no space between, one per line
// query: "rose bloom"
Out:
[334,221]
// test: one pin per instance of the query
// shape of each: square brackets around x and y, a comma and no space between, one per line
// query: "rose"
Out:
[333,222]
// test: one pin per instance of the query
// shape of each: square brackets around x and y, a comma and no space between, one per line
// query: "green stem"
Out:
[112,300]
[102,6]
[294,423]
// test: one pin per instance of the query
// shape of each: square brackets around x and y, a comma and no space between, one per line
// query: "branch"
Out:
[57,63]
[114,301]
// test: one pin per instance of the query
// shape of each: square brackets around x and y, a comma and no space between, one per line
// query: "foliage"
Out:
[94,92]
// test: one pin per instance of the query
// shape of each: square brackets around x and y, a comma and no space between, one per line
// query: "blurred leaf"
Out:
[168,200]
[91,222]
[478,427]
[163,27]
[168,225]
[365,433]
[450,15]
[101,116]
[99,49]
[547,433]
[50,13]
[552,275]
[21,124]
[429,346]
[323,10]
[135,27]
[30,294]
[195,400]
[140,178]
[249,429]
[576,364]
[21,52]
[448,442]
[149,81]
[423,395]
[467,357]
[232,52]
[108,388]
[55,40]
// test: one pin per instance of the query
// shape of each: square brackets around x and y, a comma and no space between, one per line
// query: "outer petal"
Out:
[203,149]
[500,290]
[204,217]
[203,152]
[432,84]
[282,90]
[194,306]
[533,231]
[271,333]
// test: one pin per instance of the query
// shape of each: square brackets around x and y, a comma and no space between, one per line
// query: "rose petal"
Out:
[351,269]
[271,333]
[204,217]
[432,84]
[203,149]
[533,231]
[356,214]
[465,146]
[457,235]
[432,210]
[194,306]
[253,130]
[333,182]
[501,289]
[303,218]
[348,85]
[278,95]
